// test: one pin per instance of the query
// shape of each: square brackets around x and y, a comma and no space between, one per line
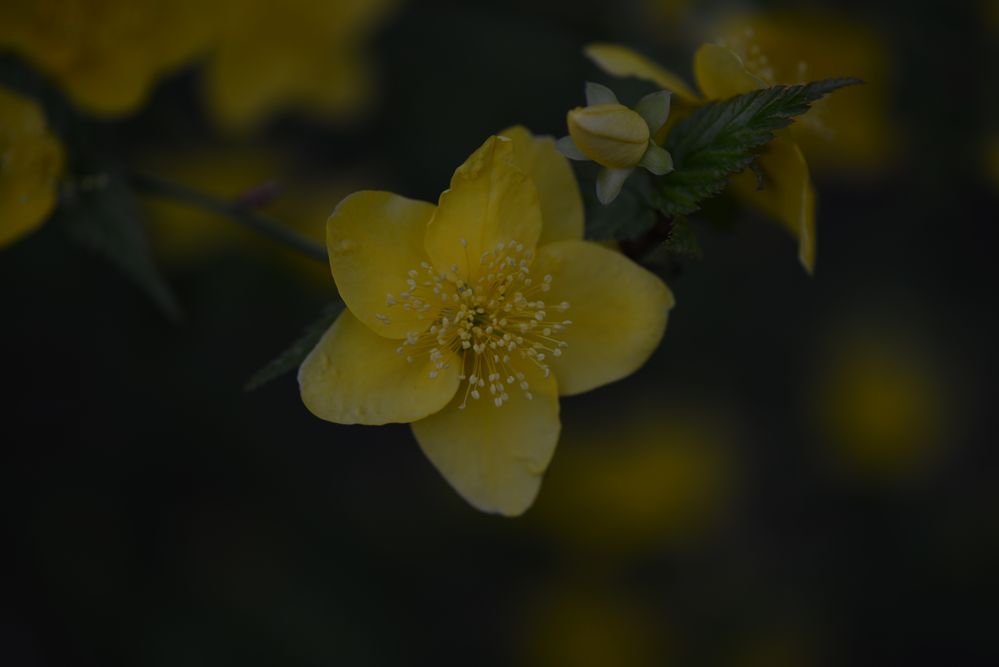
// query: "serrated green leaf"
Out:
[295,353]
[102,215]
[722,138]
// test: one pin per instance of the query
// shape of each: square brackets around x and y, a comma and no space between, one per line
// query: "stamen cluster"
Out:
[492,315]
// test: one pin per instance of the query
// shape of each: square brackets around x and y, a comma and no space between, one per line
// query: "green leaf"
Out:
[723,138]
[101,214]
[295,354]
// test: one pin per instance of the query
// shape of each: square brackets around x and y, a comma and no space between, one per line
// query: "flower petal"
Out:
[622,61]
[720,73]
[490,201]
[610,182]
[599,94]
[32,165]
[787,194]
[617,309]
[558,191]
[493,456]
[354,376]
[373,239]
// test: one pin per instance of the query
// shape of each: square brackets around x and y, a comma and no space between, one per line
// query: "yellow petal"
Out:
[787,195]
[618,312]
[558,192]
[622,61]
[31,167]
[490,201]
[374,239]
[493,456]
[720,73]
[612,135]
[354,376]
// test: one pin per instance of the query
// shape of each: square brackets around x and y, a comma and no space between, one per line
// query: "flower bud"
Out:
[612,135]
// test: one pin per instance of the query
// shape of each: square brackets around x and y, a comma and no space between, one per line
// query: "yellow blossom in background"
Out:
[105,54]
[851,131]
[666,13]
[31,163]
[881,406]
[307,54]
[459,322]
[584,622]
[648,478]
[788,195]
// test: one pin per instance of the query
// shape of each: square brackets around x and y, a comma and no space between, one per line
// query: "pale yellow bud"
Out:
[612,135]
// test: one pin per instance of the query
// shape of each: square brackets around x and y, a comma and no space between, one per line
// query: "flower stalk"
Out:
[239,211]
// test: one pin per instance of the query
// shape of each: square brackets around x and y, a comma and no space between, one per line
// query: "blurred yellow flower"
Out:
[655,478]
[106,54]
[881,407]
[459,322]
[590,623]
[788,195]
[31,162]
[303,53]
[851,131]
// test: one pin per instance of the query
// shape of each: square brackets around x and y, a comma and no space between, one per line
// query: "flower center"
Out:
[495,319]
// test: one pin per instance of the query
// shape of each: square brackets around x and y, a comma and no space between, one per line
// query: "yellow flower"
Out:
[611,135]
[31,161]
[788,195]
[617,138]
[303,53]
[850,131]
[106,54]
[470,318]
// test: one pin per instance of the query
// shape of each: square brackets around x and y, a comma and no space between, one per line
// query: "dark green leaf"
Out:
[102,214]
[295,354]
[723,138]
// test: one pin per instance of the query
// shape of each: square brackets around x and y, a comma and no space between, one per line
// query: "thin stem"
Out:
[236,211]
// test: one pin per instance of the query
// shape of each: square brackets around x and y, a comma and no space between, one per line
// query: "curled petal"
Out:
[622,61]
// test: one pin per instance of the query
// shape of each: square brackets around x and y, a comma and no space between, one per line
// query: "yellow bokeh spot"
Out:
[849,131]
[882,407]
[31,163]
[656,479]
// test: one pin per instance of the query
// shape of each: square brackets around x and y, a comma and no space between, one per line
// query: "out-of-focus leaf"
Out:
[723,138]
[295,354]
[102,214]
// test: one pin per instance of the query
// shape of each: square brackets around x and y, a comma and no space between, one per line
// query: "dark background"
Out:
[155,514]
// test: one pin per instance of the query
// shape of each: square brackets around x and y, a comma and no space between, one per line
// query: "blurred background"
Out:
[804,474]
